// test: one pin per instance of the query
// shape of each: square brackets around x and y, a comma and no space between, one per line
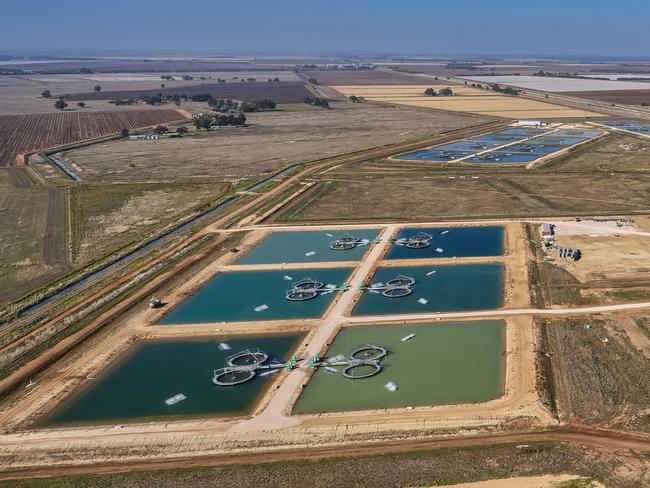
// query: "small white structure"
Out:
[548,232]
[531,123]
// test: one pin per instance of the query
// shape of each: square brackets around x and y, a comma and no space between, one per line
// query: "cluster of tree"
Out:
[46,94]
[220,120]
[60,104]
[224,105]
[317,102]
[508,90]
[188,77]
[257,106]
[276,79]
[566,74]
[97,88]
[167,77]
[443,92]
[129,101]
[476,85]
[355,99]
[313,81]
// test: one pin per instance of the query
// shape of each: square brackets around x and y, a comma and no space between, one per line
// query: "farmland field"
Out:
[20,133]
[360,77]
[466,99]
[24,218]
[553,84]
[628,97]
[293,134]
[279,92]
[108,217]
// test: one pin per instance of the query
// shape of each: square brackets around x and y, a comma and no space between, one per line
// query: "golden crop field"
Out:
[466,99]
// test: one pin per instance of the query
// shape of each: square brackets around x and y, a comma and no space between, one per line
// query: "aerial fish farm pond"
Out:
[427,364]
[172,379]
[446,242]
[433,289]
[233,296]
[309,247]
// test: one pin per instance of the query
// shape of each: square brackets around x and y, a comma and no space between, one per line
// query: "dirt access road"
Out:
[609,440]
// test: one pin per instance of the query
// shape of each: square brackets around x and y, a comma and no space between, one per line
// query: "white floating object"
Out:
[261,308]
[175,399]
[330,286]
[224,347]
[423,301]
[327,292]
[329,369]
[390,386]
[287,277]
[431,272]
[408,337]
[310,253]
[269,372]
[377,285]
[329,235]
[444,232]
[439,249]
[336,359]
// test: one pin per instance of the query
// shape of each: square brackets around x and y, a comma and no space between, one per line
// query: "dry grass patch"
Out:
[467,99]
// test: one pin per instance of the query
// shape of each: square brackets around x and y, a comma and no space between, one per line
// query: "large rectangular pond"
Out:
[451,242]
[308,247]
[437,289]
[254,295]
[444,363]
[137,384]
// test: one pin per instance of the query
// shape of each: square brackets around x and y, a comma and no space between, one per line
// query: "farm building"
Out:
[141,137]
[548,232]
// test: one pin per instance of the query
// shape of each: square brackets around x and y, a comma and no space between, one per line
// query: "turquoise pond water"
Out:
[454,242]
[137,384]
[439,288]
[306,247]
[234,296]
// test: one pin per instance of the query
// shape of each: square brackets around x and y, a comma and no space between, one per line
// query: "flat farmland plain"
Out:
[422,195]
[279,92]
[627,97]
[467,99]
[24,133]
[294,134]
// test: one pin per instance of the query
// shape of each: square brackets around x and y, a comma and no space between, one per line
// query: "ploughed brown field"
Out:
[279,92]
[627,97]
[31,132]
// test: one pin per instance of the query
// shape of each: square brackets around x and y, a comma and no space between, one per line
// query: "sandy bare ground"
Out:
[548,481]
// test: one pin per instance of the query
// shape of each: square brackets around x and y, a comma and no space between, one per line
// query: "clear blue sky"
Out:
[568,27]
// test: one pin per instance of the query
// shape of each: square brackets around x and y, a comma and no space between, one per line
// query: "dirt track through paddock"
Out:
[55,238]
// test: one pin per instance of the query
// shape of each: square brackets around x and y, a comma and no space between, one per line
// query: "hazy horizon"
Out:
[465,28]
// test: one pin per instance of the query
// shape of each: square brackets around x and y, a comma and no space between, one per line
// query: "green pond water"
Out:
[438,289]
[306,247]
[136,385]
[234,296]
[445,363]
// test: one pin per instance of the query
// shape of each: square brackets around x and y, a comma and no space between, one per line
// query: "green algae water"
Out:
[306,247]
[254,295]
[437,289]
[136,386]
[445,363]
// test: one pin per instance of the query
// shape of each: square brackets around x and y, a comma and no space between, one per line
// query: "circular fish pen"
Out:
[242,367]
[397,287]
[307,289]
[364,362]
[345,243]
[418,241]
